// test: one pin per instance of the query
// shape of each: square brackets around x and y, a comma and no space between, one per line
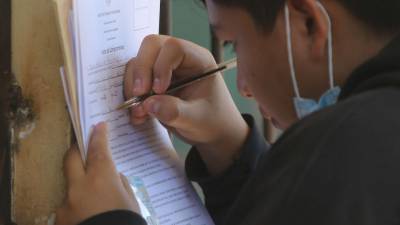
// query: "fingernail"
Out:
[93,128]
[99,126]
[137,85]
[155,107]
[96,128]
[139,111]
[157,84]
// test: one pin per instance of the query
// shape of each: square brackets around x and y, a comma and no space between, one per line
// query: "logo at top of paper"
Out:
[108,2]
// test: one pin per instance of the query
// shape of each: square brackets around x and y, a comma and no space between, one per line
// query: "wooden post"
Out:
[39,124]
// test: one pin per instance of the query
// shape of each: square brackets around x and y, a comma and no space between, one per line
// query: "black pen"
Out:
[227,65]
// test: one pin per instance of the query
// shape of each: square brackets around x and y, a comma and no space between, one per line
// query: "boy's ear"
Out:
[316,23]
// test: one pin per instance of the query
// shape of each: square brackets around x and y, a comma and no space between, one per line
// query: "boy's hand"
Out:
[203,114]
[97,189]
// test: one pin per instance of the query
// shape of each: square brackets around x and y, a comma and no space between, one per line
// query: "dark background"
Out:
[5,81]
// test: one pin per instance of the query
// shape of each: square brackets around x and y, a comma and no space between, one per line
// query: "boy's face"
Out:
[263,68]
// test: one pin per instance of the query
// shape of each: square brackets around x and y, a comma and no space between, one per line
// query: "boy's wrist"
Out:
[225,150]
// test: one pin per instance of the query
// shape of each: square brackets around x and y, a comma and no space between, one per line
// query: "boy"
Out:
[326,72]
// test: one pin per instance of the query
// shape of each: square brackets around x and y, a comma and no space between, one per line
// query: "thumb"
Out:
[73,165]
[99,156]
[170,110]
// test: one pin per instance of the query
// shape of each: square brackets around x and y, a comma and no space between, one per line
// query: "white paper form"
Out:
[108,33]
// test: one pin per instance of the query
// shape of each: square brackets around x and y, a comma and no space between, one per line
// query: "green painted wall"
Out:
[190,22]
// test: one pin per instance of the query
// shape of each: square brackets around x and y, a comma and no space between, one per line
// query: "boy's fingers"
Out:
[169,59]
[73,165]
[138,111]
[139,73]
[138,115]
[171,111]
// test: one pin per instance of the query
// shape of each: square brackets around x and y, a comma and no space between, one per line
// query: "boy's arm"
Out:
[221,191]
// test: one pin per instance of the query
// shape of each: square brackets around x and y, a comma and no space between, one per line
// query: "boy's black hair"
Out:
[382,16]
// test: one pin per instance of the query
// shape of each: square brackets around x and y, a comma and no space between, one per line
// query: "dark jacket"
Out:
[338,166]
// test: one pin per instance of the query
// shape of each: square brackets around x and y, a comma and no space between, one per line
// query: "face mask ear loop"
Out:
[290,51]
[330,46]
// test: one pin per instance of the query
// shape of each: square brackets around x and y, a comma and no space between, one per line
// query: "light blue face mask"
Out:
[304,106]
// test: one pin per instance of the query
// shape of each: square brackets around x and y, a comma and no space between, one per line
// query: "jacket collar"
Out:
[381,71]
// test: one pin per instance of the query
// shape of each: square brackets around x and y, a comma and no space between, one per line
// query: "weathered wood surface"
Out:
[42,133]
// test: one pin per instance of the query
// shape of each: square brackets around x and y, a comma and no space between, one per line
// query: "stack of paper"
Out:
[98,37]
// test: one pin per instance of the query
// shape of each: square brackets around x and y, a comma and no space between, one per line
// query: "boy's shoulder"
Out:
[366,125]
